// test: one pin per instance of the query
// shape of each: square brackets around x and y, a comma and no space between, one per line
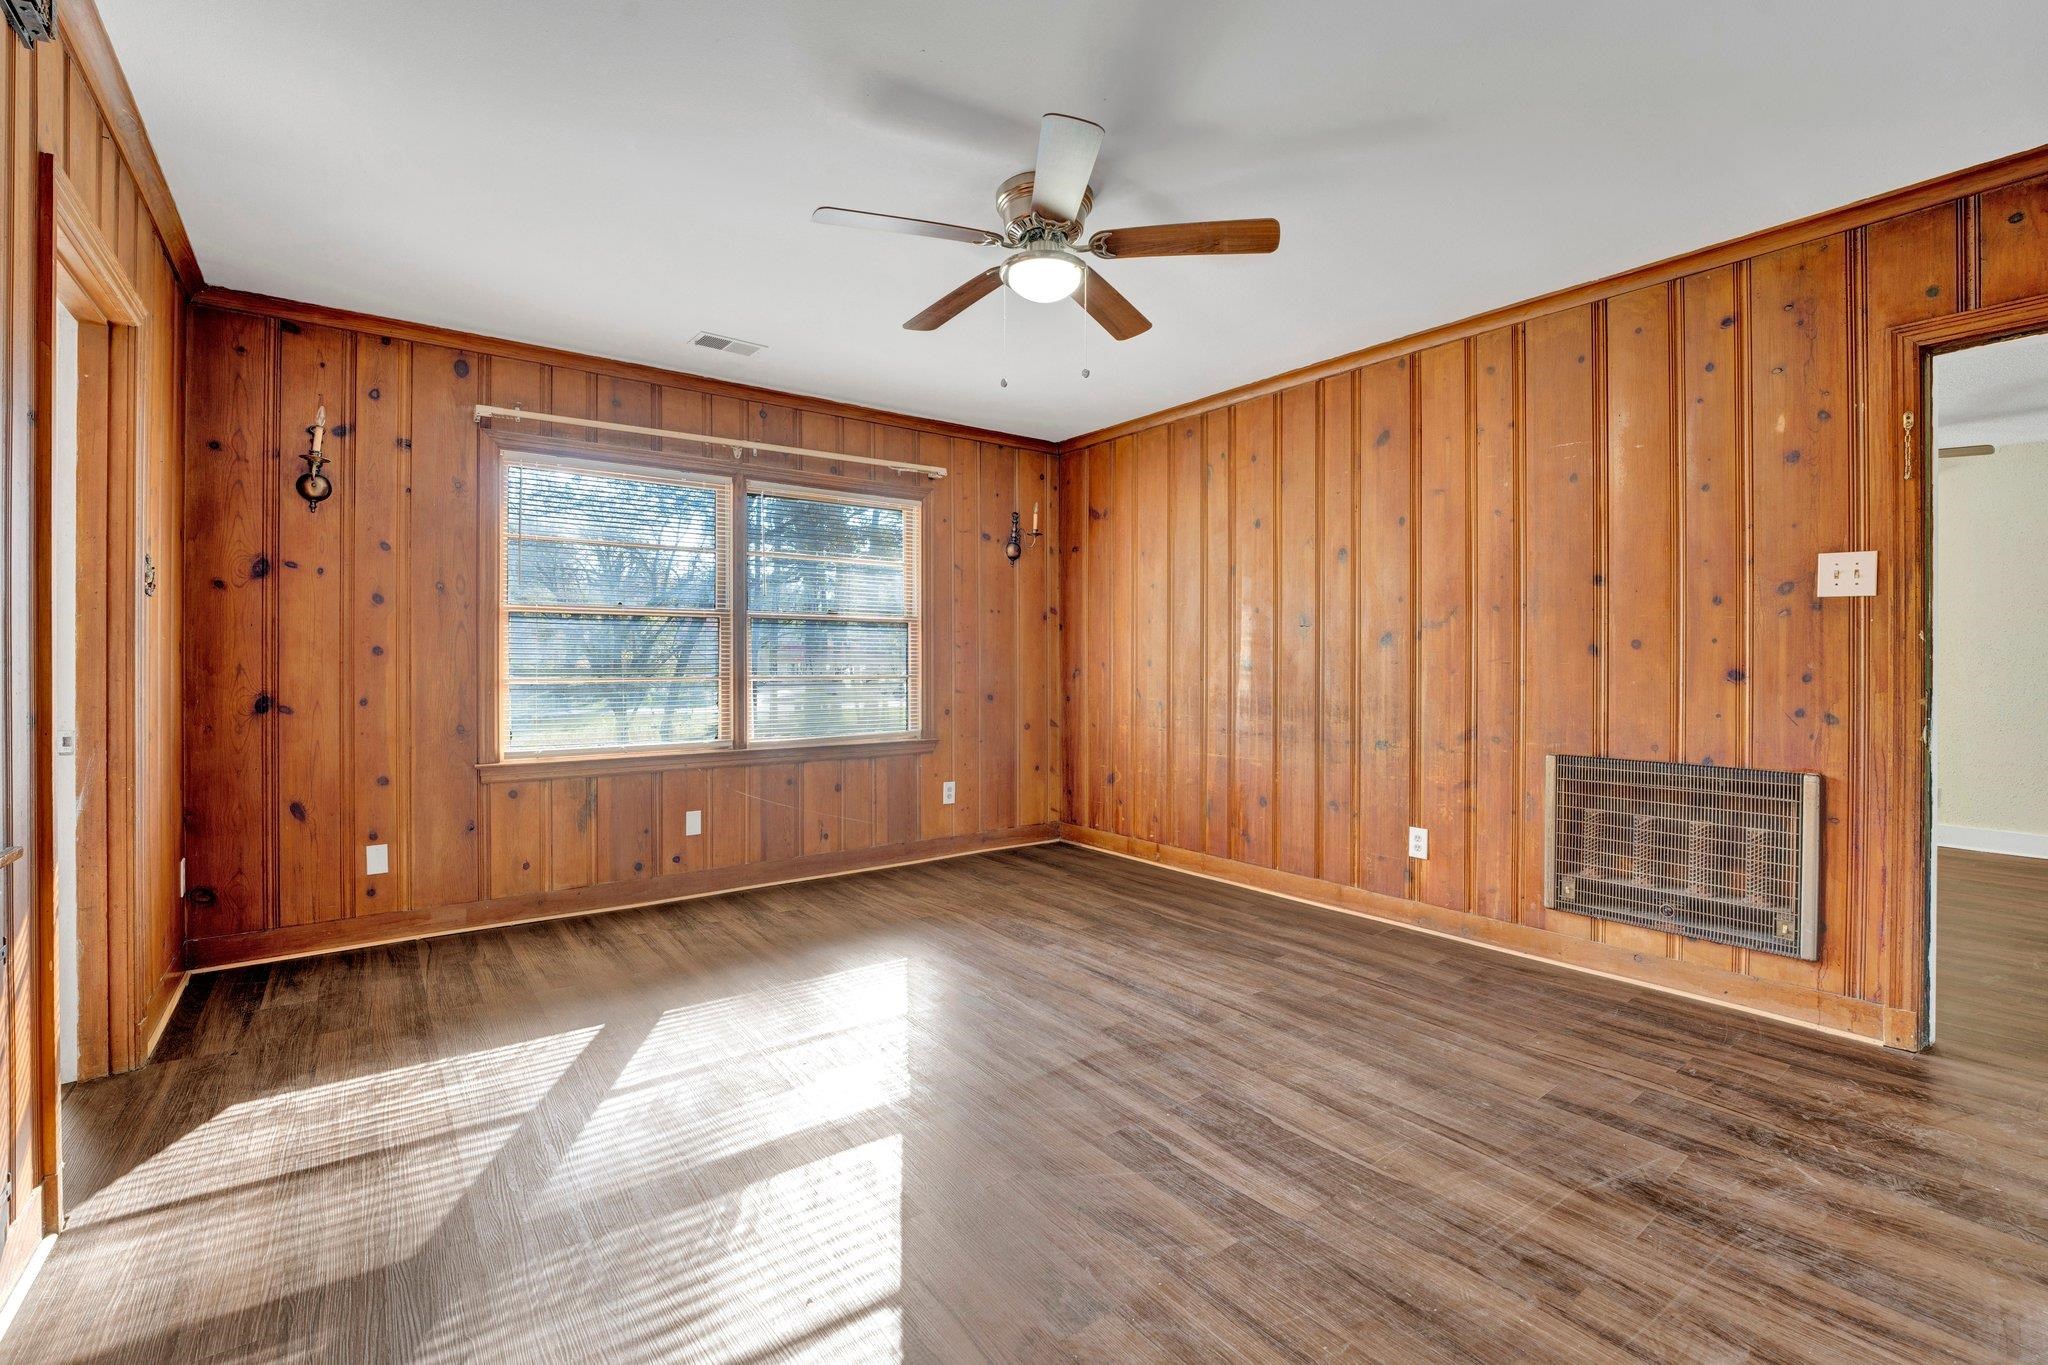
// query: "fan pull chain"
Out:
[1004,380]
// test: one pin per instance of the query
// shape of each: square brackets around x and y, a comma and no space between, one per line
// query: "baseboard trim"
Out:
[1856,1021]
[2017,843]
[157,1016]
[311,940]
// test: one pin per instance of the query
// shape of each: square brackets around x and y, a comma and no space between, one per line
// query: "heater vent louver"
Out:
[1731,855]
[711,341]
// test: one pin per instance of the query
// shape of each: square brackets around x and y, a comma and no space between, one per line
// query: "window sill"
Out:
[542,767]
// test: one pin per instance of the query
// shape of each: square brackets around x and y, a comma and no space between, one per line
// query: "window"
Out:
[831,616]
[618,622]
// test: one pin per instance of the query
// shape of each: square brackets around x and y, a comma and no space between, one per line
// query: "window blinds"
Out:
[617,611]
[835,641]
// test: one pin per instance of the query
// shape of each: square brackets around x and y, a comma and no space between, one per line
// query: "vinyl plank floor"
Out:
[1036,1105]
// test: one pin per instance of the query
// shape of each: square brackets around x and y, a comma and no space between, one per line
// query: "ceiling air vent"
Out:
[712,341]
[1730,855]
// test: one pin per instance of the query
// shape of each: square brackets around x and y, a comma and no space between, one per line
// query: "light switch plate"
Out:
[1418,842]
[946,794]
[376,860]
[1849,574]
[693,823]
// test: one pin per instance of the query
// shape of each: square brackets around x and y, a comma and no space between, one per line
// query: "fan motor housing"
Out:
[1013,206]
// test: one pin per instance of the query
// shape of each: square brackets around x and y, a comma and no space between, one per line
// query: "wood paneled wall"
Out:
[1378,597]
[332,658]
[51,102]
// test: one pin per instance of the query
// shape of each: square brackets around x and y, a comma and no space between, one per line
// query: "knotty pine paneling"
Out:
[1592,530]
[132,928]
[333,676]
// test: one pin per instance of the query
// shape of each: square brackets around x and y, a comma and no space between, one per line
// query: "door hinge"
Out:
[1906,441]
[7,1188]
[3,952]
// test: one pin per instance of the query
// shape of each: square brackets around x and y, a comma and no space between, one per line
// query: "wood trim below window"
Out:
[545,766]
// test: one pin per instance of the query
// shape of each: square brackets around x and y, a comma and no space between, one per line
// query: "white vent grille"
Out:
[712,341]
[1730,855]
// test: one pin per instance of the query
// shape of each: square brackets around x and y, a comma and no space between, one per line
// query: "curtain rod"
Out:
[486,411]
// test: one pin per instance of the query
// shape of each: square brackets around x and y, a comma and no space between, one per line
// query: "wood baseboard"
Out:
[1858,1020]
[156,1015]
[307,940]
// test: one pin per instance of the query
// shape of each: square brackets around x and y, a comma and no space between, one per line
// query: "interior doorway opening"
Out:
[1988,734]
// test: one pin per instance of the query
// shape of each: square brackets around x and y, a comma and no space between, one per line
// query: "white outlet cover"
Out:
[1849,574]
[946,794]
[376,860]
[693,823]
[1418,842]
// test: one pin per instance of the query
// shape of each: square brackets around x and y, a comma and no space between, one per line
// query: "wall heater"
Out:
[1731,855]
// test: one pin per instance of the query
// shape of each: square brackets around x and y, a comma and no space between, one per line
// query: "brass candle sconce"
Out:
[314,485]
[1013,548]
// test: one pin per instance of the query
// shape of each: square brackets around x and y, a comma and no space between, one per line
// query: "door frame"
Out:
[1910,1021]
[78,270]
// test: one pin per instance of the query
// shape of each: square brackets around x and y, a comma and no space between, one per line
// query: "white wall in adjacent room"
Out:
[1991,655]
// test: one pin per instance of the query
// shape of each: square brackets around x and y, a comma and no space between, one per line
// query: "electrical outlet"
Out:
[1852,574]
[1418,842]
[946,794]
[376,860]
[693,823]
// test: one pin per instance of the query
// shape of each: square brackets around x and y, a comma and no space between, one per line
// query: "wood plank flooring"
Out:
[1035,1105]
[1991,959]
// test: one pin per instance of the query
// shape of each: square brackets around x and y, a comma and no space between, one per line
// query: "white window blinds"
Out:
[617,612]
[835,641]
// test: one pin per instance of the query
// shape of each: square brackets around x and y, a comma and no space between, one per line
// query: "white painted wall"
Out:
[64,645]
[1991,652]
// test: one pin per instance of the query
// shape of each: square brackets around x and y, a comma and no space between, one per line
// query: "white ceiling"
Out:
[612,176]
[1992,395]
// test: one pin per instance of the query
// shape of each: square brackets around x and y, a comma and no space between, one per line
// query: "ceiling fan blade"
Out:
[1067,148]
[1227,237]
[957,302]
[1110,308]
[913,227]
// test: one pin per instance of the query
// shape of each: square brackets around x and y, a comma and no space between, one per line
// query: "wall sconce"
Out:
[1013,549]
[314,486]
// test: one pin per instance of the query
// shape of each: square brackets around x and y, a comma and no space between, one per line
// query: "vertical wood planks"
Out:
[1337,640]
[1641,498]
[1252,638]
[1801,686]
[1911,271]
[1443,633]
[1219,627]
[227,610]
[1496,624]
[440,609]
[312,565]
[1035,642]
[1185,654]
[2012,242]
[1297,680]
[1386,625]
[994,683]
[1151,670]
[1561,572]
[374,484]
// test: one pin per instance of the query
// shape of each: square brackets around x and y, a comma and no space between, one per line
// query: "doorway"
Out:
[1988,738]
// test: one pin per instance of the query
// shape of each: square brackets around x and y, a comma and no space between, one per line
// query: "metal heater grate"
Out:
[1731,855]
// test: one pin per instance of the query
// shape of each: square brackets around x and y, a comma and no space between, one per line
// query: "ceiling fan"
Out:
[1044,211]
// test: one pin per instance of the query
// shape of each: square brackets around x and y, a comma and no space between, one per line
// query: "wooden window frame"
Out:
[742,475]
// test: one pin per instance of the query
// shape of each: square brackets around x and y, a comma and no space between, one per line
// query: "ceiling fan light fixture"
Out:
[1043,274]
